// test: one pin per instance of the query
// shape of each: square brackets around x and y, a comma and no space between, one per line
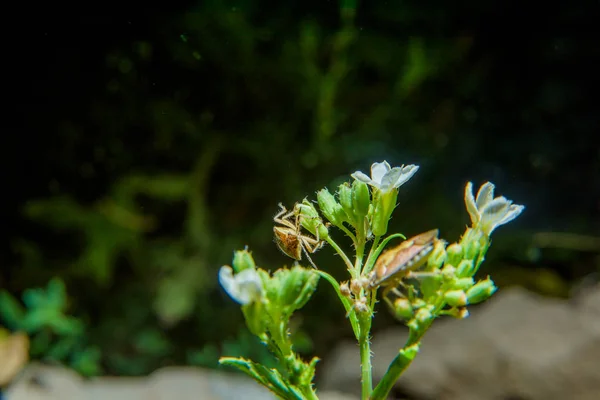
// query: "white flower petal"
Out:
[389,179]
[408,172]
[250,285]
[227,281]
[244,288]
[379,170]
[495,209]
[513,212]
[493,213]
[485,195]
[470,203]
[361,176]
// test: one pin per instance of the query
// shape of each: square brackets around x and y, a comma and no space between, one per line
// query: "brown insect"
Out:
[289,237]
[397,263]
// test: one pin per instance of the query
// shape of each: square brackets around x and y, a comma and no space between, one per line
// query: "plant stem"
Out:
[370,256]
[401,362]
[309,394]
[341,254]
[365,356]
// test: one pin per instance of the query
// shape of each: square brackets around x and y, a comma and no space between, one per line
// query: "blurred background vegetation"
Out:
[147,146]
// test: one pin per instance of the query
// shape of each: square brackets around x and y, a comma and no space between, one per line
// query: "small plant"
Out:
[53,335]
[422,278]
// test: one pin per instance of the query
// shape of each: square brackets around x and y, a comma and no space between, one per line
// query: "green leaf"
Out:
[11,312]
[56,294]
[270,378]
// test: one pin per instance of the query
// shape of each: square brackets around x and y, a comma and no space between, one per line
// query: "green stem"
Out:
[348,233]
[402,361]
[365,357]
[374,254]
[309,393]
[370,256]
[341,254]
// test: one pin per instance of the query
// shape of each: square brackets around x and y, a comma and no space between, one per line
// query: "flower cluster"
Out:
[426,277]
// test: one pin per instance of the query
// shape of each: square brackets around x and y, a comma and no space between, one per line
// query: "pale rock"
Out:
[43,382]
[517,345]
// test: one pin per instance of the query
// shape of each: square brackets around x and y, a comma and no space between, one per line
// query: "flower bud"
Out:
[449,272]
[346,201]
[423,315]
[465,269]
[455,253]
[256,318]
[463,283]
[438,255]
[296,287]
[403,310]
[472,249]
[456,298]
[311,220]
[481,291]
[458,312]
[242,259]
[361,199]
[331,209]
[384,203]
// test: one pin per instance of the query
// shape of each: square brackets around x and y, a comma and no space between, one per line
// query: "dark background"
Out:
[141,147]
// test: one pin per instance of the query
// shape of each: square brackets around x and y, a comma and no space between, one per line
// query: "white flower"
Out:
[244,287]
[386,178]
[488,212]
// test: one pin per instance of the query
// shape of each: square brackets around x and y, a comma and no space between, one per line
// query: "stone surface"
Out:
[40,382]
[517,345]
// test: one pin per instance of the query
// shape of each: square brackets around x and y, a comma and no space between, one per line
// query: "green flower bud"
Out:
[296,286]
[456,298]
[465,269]
[438,255]
[242,259]
[449,273]
[423,315]
[331,209]
[463,283]
[346,201]
[361,199]
[455,253]
[256,318]
[403,310]
[384,206]
[311,220]
[472,249]
[481,291]
[458,312]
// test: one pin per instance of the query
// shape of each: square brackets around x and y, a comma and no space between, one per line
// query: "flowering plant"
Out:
[421,279]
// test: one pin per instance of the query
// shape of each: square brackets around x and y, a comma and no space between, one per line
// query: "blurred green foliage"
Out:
[54,335]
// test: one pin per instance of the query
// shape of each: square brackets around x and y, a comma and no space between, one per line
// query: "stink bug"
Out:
[396,263]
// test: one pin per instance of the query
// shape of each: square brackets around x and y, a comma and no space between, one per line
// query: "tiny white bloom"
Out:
[488,212]
[385,178]
[244,287]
